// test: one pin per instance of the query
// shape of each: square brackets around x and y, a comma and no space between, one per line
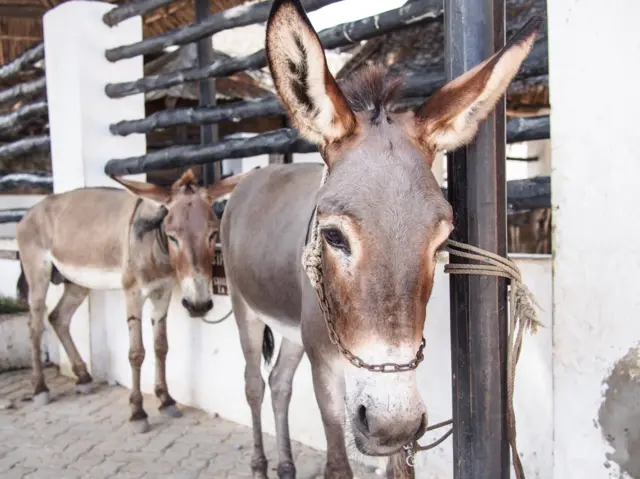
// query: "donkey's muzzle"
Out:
[197,309]
[382,435]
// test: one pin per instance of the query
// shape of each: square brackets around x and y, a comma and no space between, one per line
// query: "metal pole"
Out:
[474,31]
[211,172]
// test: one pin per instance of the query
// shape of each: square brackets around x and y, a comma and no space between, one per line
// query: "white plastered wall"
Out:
[79,116]
[593,60]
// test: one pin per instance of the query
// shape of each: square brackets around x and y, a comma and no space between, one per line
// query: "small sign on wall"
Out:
[219,277]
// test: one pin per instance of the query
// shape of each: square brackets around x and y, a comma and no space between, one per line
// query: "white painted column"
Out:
[594,53]
[79,116]
[438,167]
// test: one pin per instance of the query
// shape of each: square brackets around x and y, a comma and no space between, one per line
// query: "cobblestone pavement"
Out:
[88,436]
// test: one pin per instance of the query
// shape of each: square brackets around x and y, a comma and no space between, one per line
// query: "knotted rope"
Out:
[522,317]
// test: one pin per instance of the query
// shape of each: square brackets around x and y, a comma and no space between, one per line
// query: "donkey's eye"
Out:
[336,239]
[172,239]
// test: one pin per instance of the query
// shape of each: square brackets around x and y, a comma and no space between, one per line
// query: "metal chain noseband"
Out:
[312,262]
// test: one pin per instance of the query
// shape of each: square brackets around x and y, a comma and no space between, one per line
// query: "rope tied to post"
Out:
[523,317]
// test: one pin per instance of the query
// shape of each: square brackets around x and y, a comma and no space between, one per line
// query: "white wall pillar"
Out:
[80,112]
[438,167]
[593,59]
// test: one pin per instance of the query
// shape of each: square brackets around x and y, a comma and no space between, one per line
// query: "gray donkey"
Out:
[108,238]
[380,217]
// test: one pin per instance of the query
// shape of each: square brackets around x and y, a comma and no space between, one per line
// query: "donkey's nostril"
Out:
[362,422]
[208,305]
[185,303]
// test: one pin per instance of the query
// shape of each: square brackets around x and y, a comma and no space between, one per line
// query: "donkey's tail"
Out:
[268,345]
[270,351]
[22,288]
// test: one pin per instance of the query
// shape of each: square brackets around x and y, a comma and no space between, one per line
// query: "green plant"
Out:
[12,306]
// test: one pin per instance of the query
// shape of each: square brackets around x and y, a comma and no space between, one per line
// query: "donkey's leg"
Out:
[60,319]
[280,383]
[136,357]
[251,338]
[37,272]
[329,390]
[160,300]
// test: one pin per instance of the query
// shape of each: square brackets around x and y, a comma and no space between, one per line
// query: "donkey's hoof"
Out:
[140,426]
[41,399]
[86,388]
[171,411]
[259,468]
[286,470]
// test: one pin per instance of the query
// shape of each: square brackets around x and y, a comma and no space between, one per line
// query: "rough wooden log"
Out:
[12,215]
[26,146]
[22,115]
[133,9]
[414,13]
[285,140]
[14,181]
[23,90]
[244,110]
[201,115]
[26,59]
[528,129]
[526,195]
[279,141]
[239,16]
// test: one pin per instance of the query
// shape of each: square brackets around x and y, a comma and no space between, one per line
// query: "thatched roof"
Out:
[419,49]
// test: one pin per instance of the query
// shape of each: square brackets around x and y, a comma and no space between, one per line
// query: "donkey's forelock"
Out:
[186,184]
[372,88]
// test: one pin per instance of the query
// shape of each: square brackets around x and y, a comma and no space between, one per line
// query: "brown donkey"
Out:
[381,219]
[107,238]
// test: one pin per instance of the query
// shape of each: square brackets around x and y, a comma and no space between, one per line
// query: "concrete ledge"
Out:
[15,347]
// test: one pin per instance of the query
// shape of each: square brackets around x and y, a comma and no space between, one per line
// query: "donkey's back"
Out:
[263,233]
[78,231]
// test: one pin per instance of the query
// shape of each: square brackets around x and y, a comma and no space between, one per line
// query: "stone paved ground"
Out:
[89,437]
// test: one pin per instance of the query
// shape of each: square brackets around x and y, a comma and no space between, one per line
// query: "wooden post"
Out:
[474,31]
[211,172]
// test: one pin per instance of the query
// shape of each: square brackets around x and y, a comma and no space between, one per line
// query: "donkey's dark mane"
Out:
[371,88]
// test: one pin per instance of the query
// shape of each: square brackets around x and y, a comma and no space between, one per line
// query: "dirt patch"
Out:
[619,414]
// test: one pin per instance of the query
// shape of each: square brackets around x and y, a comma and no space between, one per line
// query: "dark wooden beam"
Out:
[526,194]
[24,61]
[529,159]
[14,181]
[23,114]
[236,112]
[23,90]
[279,141]
[474,30]
[26,146]
[283,141]
[211,172]
[414,13]
[132,9]
[239,16]
[13,215]
[532,127]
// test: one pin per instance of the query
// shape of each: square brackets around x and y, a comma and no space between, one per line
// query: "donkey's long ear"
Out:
[224,186]
[155,193]
[316,105]
[450,117]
